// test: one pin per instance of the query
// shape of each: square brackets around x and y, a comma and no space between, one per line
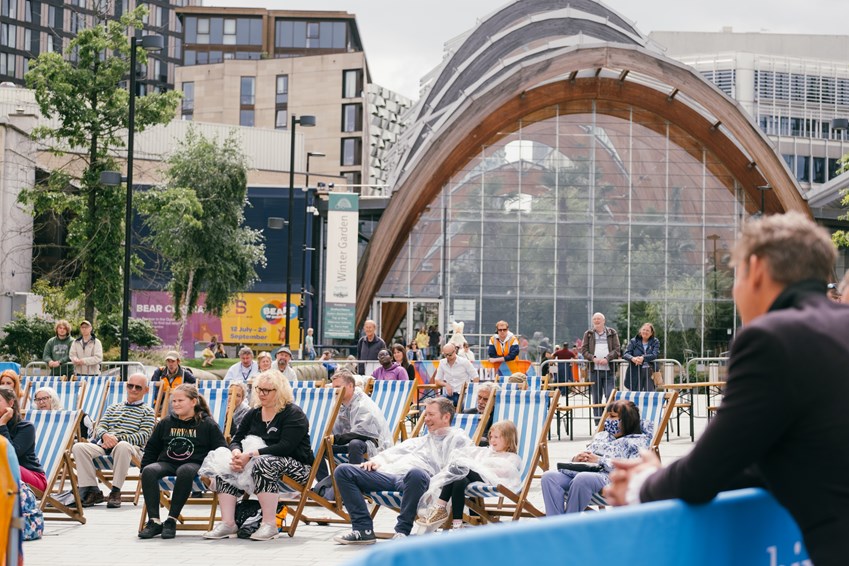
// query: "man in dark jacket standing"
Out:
[368,347]
[785,401]
[601,345]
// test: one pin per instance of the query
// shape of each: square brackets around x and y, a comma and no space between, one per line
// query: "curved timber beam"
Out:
[497,108]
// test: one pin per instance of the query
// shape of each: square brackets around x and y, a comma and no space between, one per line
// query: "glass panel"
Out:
[246,91]
[216,31]
[621,214]
[339,35]
[246,118]
[299,32]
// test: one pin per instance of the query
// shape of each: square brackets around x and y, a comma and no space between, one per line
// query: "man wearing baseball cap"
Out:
[172,373]
[284,356]
[86,352]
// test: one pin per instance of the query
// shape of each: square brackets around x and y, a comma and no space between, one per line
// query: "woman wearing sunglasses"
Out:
[284,429]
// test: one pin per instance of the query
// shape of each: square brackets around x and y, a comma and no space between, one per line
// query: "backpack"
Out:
[30,513]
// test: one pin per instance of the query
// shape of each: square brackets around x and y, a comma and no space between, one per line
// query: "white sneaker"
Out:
[221,530]
[265,532]
[399,536]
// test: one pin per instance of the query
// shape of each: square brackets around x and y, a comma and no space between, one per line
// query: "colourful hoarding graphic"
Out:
[253,318]
[340,292]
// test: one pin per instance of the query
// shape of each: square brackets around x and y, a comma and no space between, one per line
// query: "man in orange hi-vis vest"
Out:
[503,346]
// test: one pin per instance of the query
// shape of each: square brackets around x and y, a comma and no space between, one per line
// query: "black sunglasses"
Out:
[134,387]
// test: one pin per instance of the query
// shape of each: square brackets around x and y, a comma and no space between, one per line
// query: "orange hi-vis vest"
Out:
[502,350]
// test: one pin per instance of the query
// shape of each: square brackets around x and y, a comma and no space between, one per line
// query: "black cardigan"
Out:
[288,433]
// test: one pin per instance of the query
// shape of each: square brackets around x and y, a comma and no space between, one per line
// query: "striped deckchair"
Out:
[118,394]
[212,384]
[97,389]
[321,405]
[70,394]
[531,412]
[394,399]
[655,407]
[220,410]
[54,434]
[103,465]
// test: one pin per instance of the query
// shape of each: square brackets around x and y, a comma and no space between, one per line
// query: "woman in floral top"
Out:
[623,437]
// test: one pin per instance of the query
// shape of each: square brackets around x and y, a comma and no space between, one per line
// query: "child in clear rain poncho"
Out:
[495,464]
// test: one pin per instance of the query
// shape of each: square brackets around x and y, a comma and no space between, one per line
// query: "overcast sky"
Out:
[404,39]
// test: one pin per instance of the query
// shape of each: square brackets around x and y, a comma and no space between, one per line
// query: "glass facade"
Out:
[578,213]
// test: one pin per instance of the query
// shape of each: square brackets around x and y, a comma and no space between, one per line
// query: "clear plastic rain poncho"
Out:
[496,468]
[362,416]
[217,464]
[430,453]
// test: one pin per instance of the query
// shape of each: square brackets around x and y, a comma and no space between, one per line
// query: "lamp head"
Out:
[151,43]
[306,121]
[110,178]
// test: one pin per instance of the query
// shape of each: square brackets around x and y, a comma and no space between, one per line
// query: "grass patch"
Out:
[197,363]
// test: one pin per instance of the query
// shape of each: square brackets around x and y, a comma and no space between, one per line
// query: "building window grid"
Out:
[706,221]
[281,102]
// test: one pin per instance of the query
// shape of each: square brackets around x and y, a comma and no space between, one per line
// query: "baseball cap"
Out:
[282,349]
[172,355]
[85,322]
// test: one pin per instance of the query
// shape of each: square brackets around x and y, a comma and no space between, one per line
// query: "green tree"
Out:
[841,237]
[81,92]
[197,225]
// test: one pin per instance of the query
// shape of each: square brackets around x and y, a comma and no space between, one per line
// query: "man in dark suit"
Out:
[785,402]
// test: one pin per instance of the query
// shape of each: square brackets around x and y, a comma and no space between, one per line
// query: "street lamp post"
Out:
[307,122]
[307,209]
[149,43]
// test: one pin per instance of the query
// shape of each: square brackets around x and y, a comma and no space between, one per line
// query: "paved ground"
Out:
[109,536]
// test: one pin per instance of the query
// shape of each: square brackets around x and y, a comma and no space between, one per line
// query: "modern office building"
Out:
[558,164]
[793,86]
[31,27]
[261,68]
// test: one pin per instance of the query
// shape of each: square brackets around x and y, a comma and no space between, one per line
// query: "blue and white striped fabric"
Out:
[650,404]
[470,399]
[118,394]
[29,385]
[317,404]
[393,398]
[70,394]
[167,484]
[53,433]
[528,410]
[217,398]
[467,422]
[203,384]
[391,499]
[301,383]
[94,399]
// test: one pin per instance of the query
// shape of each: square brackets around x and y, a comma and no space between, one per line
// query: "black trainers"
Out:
[151,529]
[114,499]
[169,528]
[356,537]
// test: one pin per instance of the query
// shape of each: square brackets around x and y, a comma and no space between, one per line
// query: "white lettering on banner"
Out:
[162,308]
[340,292]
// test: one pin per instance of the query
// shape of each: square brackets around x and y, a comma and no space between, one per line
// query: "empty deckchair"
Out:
[394,399]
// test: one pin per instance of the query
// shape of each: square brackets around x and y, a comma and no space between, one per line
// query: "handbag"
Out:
[657,377]
[579,466]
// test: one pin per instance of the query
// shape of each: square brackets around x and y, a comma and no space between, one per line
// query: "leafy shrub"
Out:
[25,338]
[141,332]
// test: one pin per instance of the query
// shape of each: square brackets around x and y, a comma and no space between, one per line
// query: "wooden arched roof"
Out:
[685,99]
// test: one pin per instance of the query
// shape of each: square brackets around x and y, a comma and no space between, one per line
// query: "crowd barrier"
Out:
[746,527]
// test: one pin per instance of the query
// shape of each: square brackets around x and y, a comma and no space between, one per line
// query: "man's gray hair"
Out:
[490,386]
[446,407]
[346,375]
[792,245]
[245,350]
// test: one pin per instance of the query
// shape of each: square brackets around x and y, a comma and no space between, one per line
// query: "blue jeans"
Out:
[353,481]
[356,450]
[579,486]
